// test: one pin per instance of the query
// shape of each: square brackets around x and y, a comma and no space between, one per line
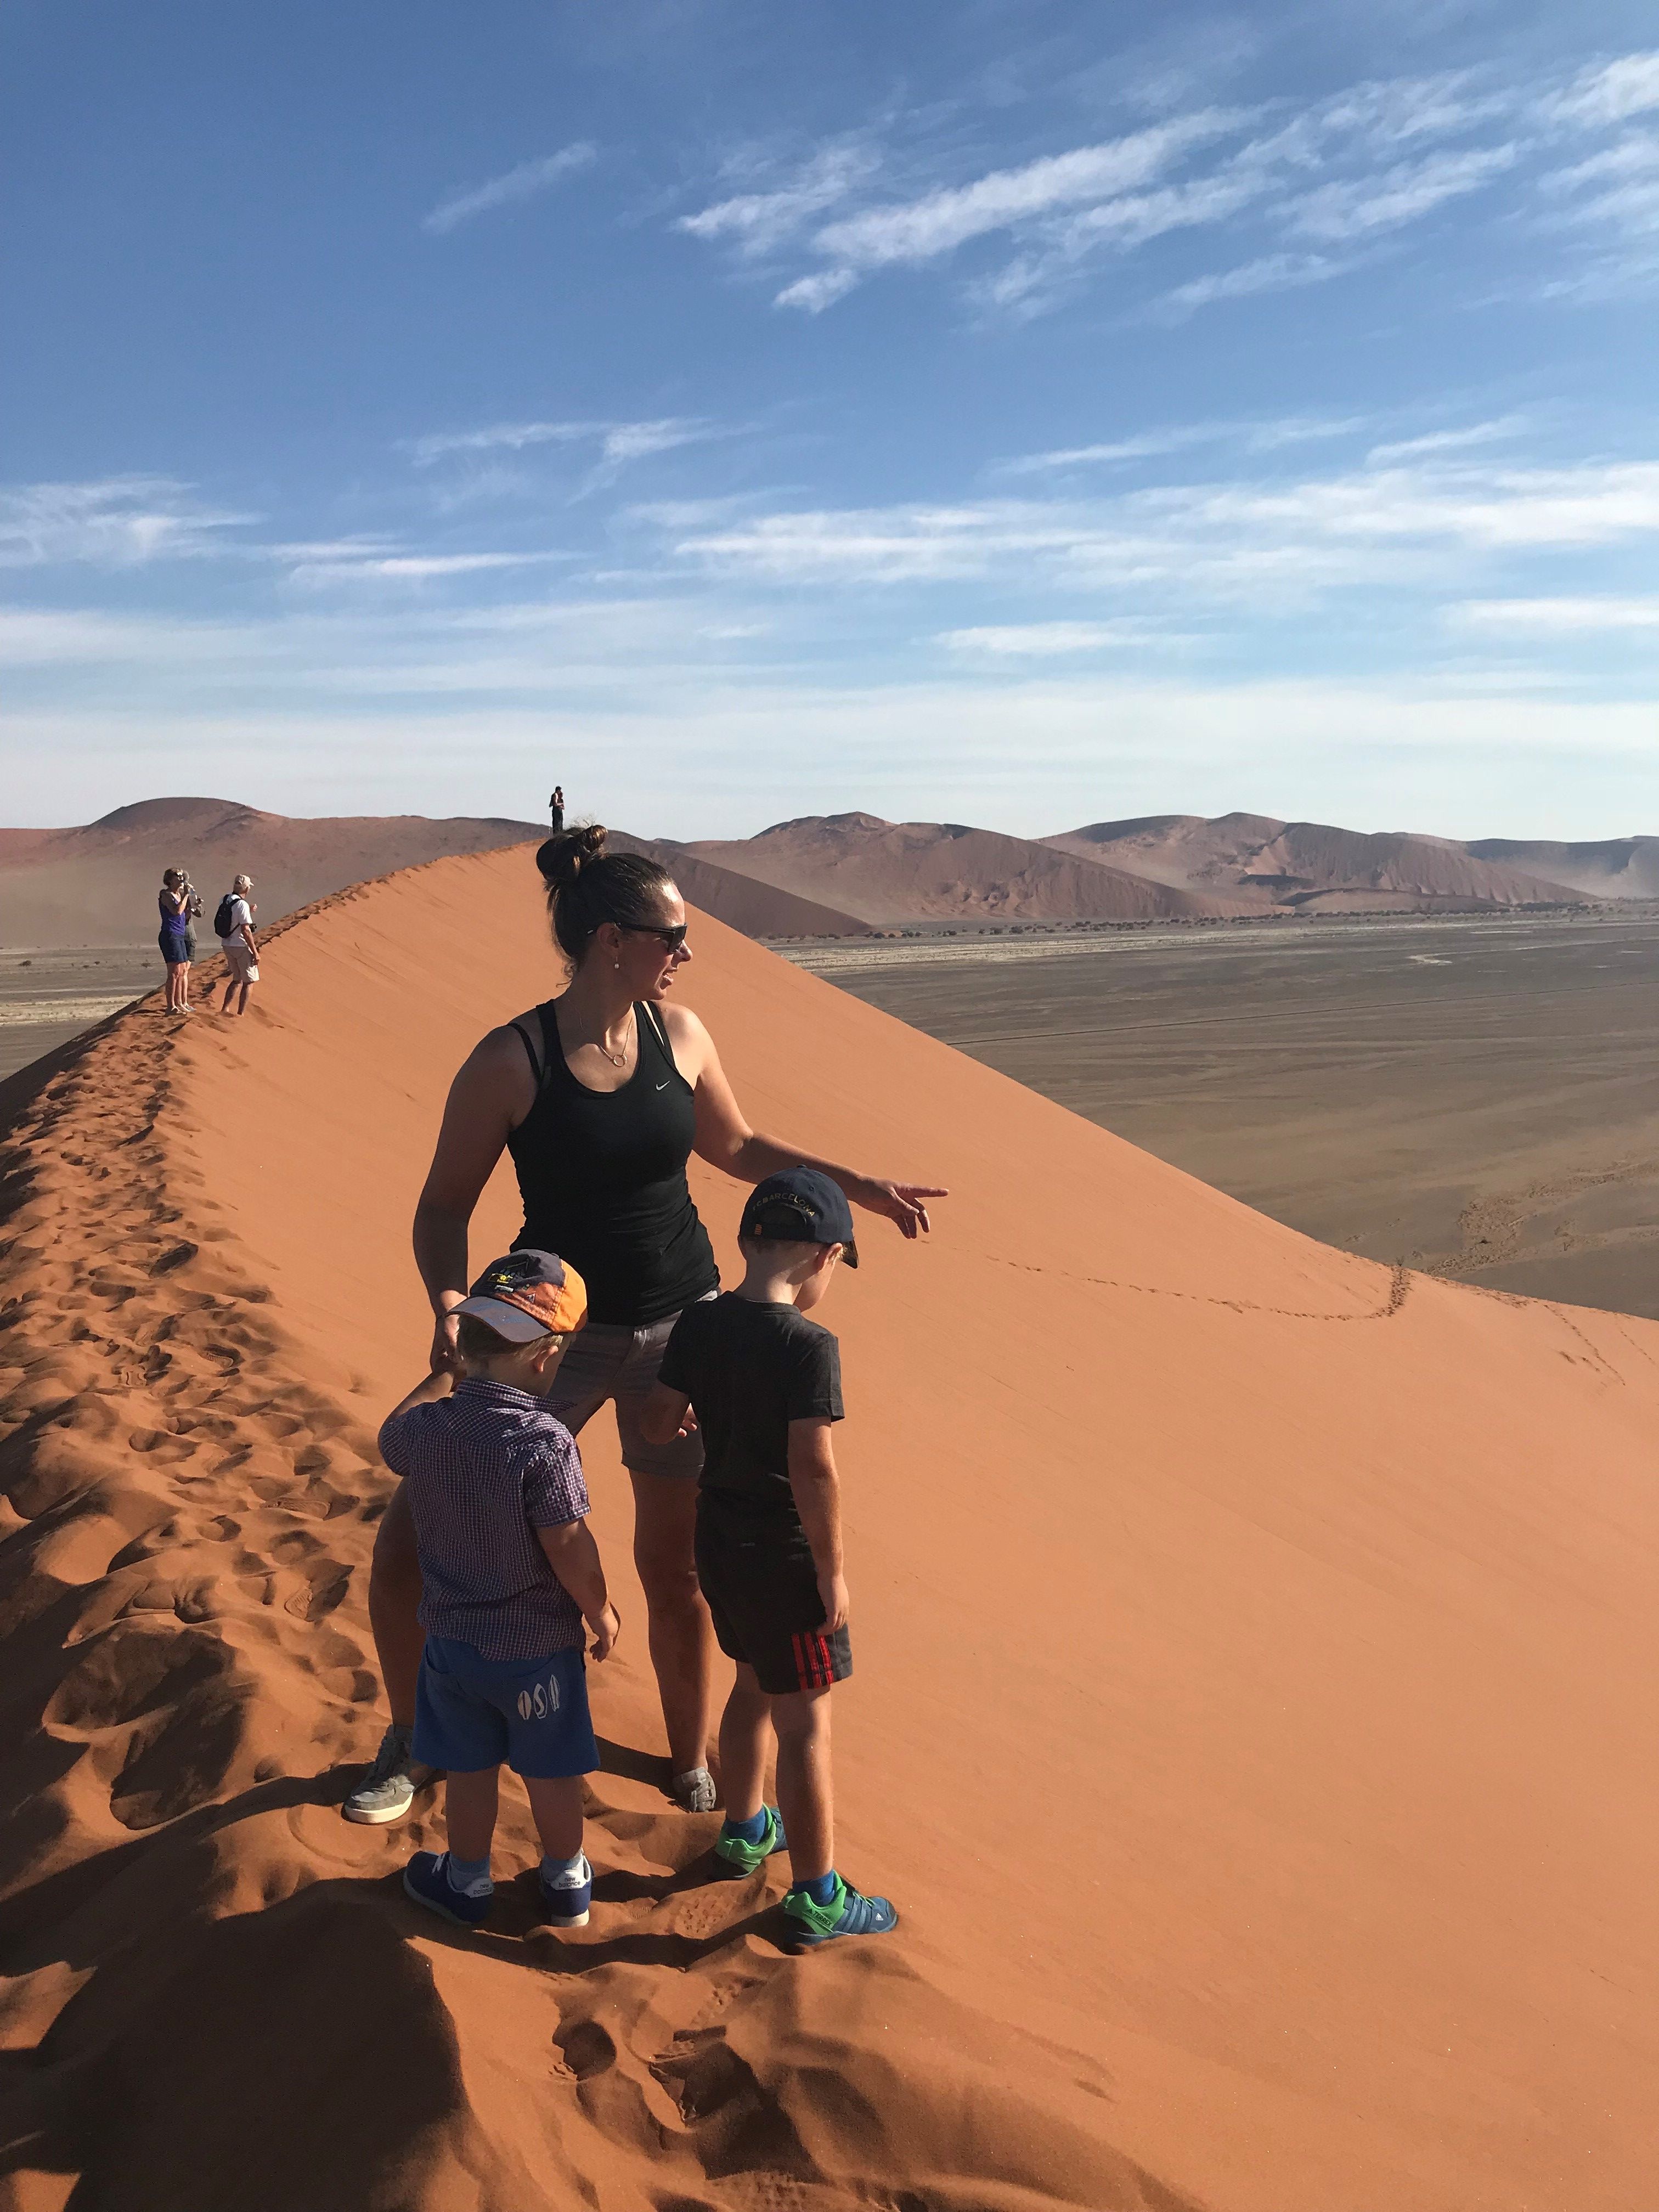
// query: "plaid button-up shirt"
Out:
[485,1467]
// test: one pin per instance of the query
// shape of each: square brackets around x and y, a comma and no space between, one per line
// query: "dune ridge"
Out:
[1251,1645]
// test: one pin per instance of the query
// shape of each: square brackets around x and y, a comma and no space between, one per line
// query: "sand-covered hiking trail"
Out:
[1255,1714]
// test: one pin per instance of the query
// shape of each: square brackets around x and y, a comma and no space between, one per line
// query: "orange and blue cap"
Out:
[528,1294]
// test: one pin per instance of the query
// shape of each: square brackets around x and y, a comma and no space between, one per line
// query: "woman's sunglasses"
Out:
[672,936]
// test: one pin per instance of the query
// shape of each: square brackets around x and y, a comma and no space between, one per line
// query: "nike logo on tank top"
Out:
[602,1175]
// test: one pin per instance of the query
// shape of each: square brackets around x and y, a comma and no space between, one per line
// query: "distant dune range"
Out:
[1168,866]
[97,884]
[890,873]
[838,875]
[1309,867]
[1252,1715]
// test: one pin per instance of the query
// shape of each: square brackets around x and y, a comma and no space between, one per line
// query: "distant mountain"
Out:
[1616,868]
[1310,866]
[883,873]
[742,902]
[97,884]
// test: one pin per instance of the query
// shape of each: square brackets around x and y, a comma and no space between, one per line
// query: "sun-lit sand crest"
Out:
[1255,1673]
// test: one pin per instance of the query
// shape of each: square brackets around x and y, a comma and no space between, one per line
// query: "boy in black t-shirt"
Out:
[765,1382]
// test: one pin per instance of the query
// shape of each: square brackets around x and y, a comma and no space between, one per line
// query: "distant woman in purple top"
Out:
[601,1096]
[174,901]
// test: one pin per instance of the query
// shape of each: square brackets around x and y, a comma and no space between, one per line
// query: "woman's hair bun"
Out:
[563,857]
[587,885]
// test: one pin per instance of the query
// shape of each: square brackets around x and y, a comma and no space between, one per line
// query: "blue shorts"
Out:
[531,1714]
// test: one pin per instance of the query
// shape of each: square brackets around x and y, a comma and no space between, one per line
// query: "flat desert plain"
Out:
[50,995]
[1474,1097]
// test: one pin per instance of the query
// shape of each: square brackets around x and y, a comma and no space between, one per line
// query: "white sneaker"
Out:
[693,1792]
[387,1789]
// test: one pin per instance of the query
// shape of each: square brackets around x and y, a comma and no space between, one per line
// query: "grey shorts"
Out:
[606,1361]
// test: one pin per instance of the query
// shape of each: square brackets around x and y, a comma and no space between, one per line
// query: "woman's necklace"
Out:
[617,1059]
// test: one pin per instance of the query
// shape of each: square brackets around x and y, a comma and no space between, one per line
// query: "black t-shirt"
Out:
[749,1370]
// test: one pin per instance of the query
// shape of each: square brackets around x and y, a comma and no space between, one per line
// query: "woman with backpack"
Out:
[601,1096]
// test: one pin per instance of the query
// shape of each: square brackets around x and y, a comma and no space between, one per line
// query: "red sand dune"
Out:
[1613,867]
[1253,1717]
[1313,867]
[97,884]
[888,872]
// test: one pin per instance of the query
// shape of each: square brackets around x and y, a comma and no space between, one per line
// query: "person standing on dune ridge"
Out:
[600,1096]
[173,899]
[234,925]
[555,808]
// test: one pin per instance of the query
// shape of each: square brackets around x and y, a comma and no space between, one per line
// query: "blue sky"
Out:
[1001,412]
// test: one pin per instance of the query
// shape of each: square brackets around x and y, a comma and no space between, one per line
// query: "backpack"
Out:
[222,921]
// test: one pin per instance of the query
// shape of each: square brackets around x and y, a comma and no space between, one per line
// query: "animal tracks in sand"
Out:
[213,1989]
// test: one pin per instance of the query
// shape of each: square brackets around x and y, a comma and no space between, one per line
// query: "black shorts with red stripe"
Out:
[762,1591]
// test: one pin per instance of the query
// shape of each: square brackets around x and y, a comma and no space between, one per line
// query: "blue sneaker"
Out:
[849,1912]
[567,1903]
[735,1856]
[426,1879]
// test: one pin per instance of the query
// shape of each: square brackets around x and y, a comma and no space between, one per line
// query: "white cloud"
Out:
[1411,524]
[1565,617]
[1612,91]
[1273,272]
[413,567]
[618,443]
[815,293]
[522,182]
[495,437]
[1042,641]
[1338,213]
[118,521]
[755,222]
[941,221]
[1360,165]
[1501,428]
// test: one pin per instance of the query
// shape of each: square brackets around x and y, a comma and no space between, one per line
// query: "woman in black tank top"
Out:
[600,1096]
[603,1176]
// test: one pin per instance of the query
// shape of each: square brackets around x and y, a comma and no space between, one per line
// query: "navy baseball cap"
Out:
[799,1205]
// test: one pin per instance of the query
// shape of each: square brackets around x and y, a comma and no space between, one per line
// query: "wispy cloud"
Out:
[1404,525]
[1046,640]
[616,445]
[119,521]
[1269,435]
[1585,616]
[1308,188]
[755,223]
[1500,429]
[1611,92]
[1273,272]
[412,568]
[522,182]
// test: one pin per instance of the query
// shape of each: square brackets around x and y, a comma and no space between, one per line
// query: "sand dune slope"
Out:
[1253,1715]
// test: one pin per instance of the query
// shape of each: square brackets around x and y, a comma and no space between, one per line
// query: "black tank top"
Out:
[602,1175]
